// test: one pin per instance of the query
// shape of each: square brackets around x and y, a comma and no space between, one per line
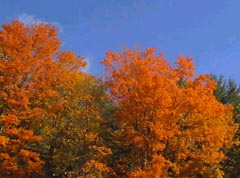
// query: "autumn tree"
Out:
[170,123]
[72,144]
[56,121]
[27,73]
[49,112]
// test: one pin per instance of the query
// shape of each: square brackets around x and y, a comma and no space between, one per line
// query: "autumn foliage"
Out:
[173,125]
[147,118]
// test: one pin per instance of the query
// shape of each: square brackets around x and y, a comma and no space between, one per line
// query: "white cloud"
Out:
[88,60]
[30,19]
[58,25]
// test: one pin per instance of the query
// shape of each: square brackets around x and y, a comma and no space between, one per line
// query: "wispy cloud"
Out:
[88,59]
[30,19]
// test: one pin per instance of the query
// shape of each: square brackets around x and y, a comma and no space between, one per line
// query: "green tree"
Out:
[228,92]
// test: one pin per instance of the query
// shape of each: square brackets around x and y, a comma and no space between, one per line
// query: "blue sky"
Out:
[207,30]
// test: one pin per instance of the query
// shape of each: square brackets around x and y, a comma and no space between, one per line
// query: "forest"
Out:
[143,118]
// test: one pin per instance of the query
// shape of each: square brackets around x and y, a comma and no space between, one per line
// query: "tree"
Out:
[228,92]
[27,72]
[171,124]
[72,145]
[157,120]
[50,114]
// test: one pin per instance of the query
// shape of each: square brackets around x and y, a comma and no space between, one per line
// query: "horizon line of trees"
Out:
[144,119]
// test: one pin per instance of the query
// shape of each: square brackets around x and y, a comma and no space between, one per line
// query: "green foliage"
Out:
[228,92]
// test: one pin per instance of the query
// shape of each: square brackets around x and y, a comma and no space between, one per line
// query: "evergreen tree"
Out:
[228,92]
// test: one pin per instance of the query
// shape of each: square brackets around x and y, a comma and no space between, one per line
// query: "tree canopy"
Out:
[144,118]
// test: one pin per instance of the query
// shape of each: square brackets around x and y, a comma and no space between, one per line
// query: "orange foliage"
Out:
[174,125]
[169,122]
[32,71]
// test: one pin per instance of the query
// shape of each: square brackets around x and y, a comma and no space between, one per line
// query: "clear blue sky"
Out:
[207,30]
